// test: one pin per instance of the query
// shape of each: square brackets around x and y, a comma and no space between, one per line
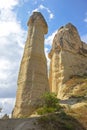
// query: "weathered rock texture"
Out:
[68,58]
[68,71]
[32,79]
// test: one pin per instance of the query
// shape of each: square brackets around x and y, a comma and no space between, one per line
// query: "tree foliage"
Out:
[50,100]
[51,104]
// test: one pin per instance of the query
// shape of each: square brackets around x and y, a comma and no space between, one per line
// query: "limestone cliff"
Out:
[32,79]
[68,71]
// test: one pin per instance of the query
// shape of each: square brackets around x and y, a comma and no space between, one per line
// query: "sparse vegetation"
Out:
[50,105]
[59,121]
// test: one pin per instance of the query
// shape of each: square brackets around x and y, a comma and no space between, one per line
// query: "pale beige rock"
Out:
[32,79]
[68,58]
[68,72]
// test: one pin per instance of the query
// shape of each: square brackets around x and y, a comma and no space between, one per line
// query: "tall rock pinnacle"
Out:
[68,58]
[32,79]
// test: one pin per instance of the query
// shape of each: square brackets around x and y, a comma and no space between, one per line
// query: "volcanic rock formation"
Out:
[68,58]
[32,79]
[68,71]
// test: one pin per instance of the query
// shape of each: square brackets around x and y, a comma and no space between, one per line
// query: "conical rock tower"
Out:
[32,79]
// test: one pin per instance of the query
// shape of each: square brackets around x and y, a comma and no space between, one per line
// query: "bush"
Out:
[45,110]
[51,104]
[50,100]
[55,122]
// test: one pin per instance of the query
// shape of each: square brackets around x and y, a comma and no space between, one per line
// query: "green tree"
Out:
[50,100]
[50,104]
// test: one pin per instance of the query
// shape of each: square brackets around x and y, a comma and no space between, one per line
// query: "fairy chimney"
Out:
[32,79]
[68,58]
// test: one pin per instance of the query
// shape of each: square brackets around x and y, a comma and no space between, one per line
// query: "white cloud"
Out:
[49,39]
[4,65]
[42,7]
[35,10]
[12,38]
[48,46]
[8,4]
[51,16]
[7,105]
[85,20]
[84,38]
[9,27]
[48,60]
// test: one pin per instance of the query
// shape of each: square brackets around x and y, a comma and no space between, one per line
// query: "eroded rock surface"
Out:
[68,58]
[32,79]
[68,71]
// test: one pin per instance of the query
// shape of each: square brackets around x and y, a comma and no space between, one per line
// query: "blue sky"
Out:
[14,15]
[63,11]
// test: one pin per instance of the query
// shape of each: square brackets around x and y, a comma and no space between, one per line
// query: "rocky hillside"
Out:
[59,121]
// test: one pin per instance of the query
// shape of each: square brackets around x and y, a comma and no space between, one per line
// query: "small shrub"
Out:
[50,100]
[63,114]
[68,126]
[50,105]
[55,122]
[45,110]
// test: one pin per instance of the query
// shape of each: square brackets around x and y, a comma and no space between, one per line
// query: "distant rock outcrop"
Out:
[32,79]
[68,58]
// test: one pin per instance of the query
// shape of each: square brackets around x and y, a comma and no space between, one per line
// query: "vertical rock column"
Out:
[68,59]
[32,79]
